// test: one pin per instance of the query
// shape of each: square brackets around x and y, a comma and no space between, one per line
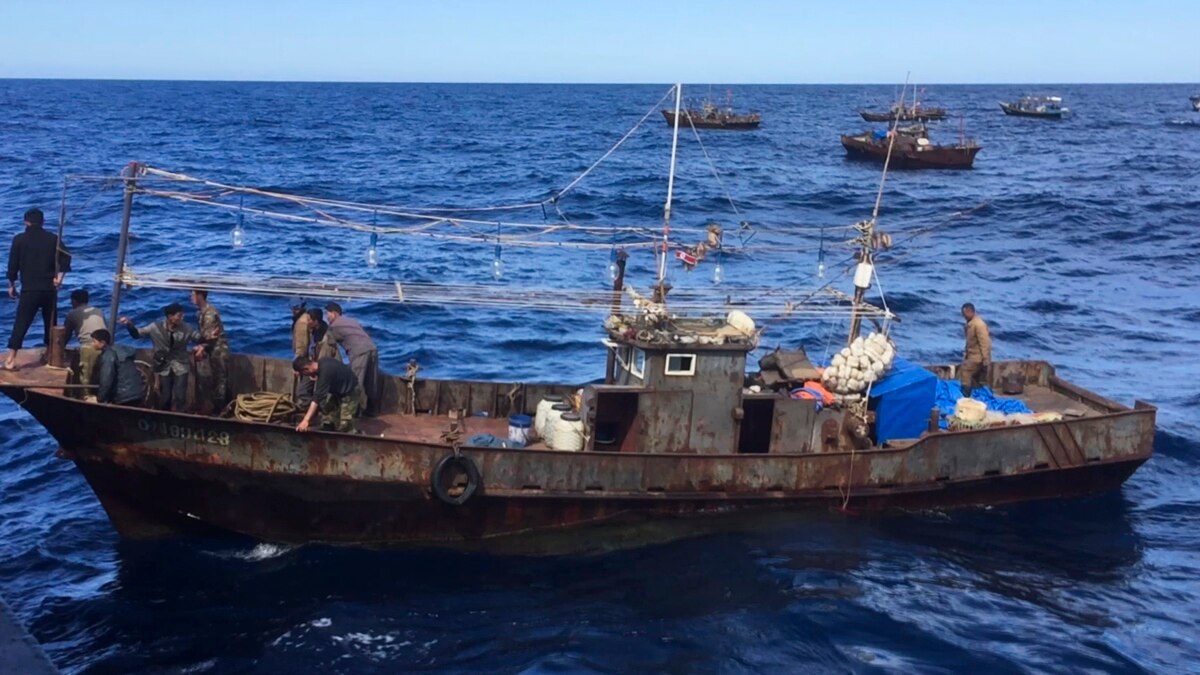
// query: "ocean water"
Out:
[1079,247]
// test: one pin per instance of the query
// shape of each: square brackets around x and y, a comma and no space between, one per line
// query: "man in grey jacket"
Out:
[172,357]
[360,349]
[83,320]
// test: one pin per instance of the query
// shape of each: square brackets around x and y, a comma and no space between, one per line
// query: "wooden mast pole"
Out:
[618,286]
[58,247]
[662,257]
[866,236]
[129,173]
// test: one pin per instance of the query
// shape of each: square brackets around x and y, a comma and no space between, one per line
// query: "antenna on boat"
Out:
[867,238]
[662,258]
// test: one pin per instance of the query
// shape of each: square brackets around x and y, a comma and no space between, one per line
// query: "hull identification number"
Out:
[183,432]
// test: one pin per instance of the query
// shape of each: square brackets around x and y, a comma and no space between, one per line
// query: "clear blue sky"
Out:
[733,41]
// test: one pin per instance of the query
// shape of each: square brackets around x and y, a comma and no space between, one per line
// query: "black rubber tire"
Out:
[448,463]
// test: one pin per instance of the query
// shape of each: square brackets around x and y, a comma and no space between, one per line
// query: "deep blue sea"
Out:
[1080,248]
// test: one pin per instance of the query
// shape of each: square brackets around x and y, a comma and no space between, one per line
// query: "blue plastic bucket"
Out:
[518,429]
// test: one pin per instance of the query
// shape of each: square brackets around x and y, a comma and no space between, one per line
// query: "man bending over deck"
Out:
[977,354]
[336,394]
[360,349]
[120,381]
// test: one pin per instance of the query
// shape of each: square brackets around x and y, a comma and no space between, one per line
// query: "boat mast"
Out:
[128,174]
[865,269]
[662,257]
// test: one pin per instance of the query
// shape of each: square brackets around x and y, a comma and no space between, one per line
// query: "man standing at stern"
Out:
[39,261]
[977,354]
[360,349]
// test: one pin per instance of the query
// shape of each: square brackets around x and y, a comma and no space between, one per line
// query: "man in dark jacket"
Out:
[39,262]
[120,381]
[336,394]
[172,358]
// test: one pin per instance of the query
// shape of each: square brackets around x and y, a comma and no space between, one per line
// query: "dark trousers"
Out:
[27,308]
[172,391]
[366,369]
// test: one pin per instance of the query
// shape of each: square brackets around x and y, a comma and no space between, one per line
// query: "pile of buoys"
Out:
[856,367]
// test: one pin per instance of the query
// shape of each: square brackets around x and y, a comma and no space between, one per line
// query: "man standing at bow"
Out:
[977,354]
[39,261]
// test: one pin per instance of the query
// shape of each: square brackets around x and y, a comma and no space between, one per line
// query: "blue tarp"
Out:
[902,401]
[949,391]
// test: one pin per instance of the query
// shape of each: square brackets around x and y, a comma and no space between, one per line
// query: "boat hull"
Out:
[1020,112]
[931,157]
[159,473]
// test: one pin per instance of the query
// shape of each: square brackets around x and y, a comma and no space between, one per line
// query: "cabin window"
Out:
[681,364]
[637,363]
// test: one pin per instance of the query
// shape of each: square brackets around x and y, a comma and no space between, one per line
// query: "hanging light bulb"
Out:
[613,269]
[372,251]
[718,273]
[497,265]
[821,256]
[238,235]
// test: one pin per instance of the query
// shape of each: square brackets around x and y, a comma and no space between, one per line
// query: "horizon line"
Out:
[584,83]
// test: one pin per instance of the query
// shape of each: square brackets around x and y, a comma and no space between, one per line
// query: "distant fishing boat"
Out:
[1195,103]
[902,112]
[712,116]
[911,149]
[1047,107]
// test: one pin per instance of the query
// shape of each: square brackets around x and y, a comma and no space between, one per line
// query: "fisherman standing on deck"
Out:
[977,354]
[40,262]
[120,381]
[301,336]
[360,349]
[84,320]
[172,358]
[336,394]
[321,347]
[216,351]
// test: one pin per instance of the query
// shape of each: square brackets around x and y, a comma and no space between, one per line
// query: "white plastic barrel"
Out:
[567,433]
[542,413]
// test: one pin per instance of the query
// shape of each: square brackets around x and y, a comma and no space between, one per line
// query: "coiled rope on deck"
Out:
[264,406]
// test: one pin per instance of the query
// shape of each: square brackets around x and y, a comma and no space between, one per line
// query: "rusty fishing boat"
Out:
[676,432]
[911,148]
[711,116]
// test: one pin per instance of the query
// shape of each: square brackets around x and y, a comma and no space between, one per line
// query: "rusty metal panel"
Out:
[482,398]
[278,376]
[427,395]
[792,426]
[665,418]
